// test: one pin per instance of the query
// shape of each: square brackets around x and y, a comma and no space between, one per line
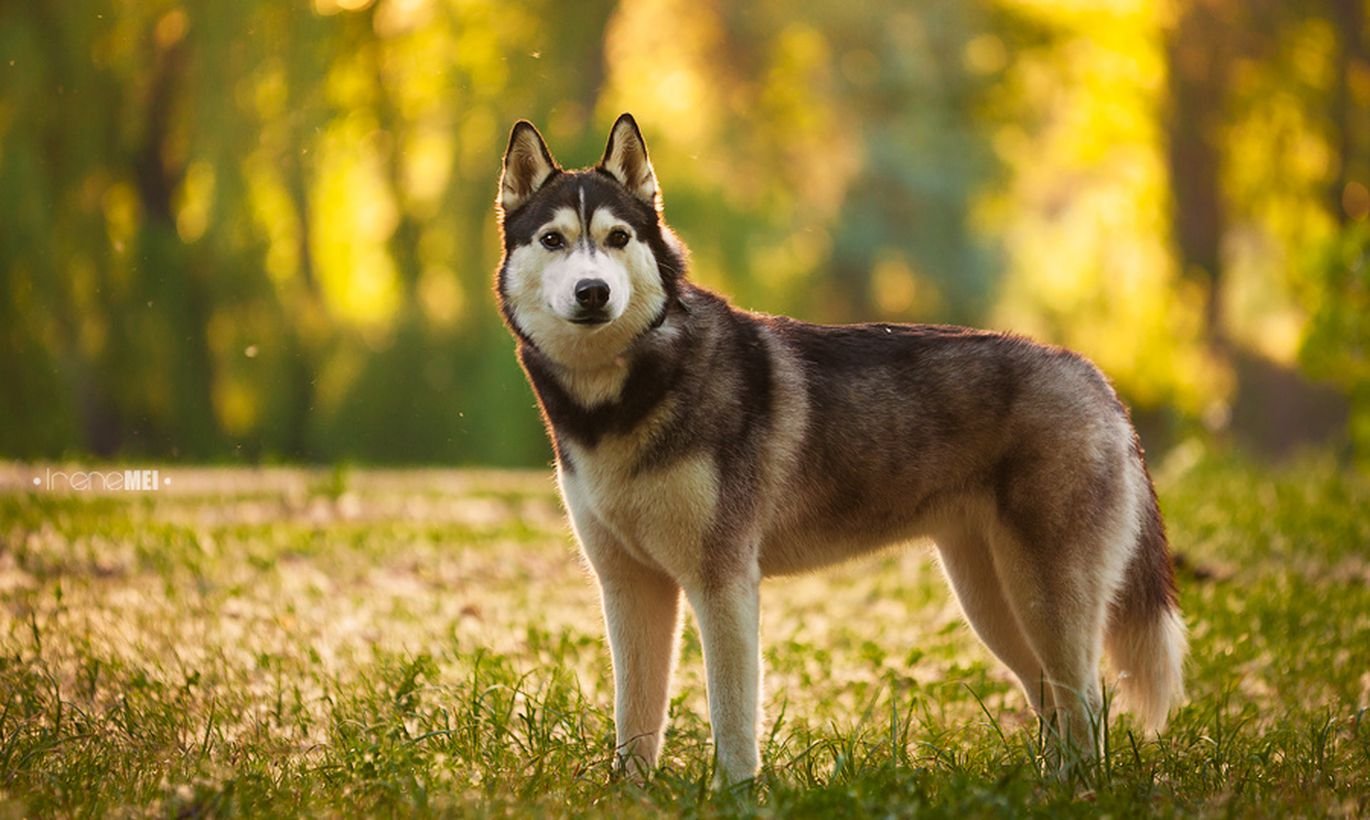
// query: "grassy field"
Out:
[343,642]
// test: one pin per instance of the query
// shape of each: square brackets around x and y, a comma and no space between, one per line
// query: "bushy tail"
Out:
[1146,636]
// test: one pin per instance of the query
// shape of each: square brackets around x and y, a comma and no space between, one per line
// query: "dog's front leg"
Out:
[641,615]
[728,611]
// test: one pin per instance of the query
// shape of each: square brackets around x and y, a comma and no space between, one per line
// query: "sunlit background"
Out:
[263,230]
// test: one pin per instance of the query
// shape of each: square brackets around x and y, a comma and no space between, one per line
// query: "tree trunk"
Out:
[1347,114]
[1199,62]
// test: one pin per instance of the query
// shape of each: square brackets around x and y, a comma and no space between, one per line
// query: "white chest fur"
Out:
[660,516]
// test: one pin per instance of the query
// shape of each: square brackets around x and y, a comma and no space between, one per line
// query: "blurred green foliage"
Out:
[264,230]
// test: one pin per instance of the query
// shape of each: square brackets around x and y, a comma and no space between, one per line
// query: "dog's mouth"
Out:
[596,318]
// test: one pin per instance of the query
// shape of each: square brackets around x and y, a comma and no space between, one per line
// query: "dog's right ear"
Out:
[527,167]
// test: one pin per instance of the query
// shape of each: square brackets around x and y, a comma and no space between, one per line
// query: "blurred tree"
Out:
[1337,346]
[1264,142]
[1083,215]
[264,230]
[1199,57]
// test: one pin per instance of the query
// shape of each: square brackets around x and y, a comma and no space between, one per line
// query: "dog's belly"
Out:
[836,521]
[812,540]
[792,554]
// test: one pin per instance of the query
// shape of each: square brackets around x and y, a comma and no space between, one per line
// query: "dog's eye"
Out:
[617,238]
[553,241]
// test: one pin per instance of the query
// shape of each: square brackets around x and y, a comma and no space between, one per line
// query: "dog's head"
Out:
[589,266]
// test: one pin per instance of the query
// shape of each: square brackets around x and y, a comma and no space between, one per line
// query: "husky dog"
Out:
[700,448]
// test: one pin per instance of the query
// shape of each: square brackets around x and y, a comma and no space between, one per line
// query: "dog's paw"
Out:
[631,768]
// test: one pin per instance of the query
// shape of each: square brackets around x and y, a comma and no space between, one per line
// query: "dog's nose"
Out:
[592,293]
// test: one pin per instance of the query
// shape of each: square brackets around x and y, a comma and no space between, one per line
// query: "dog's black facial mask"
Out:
[533,187]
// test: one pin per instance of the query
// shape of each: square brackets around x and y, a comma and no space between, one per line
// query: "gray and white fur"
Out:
[700,448]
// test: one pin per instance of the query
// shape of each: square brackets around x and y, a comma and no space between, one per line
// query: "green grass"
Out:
[343,642]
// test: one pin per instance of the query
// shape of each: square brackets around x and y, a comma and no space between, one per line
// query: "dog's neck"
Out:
[593,385]
[584,403]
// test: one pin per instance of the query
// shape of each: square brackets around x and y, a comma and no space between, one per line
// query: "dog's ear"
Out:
[527,167]
[625,159]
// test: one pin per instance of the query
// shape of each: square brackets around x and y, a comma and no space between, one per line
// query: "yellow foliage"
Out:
[354,216]
[1084,219]
[660,54]
[195,200]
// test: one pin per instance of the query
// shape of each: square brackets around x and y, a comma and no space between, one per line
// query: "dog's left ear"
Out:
[625,159]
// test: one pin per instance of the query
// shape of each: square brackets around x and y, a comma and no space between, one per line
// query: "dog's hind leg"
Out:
[1062,607]
[969,566]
